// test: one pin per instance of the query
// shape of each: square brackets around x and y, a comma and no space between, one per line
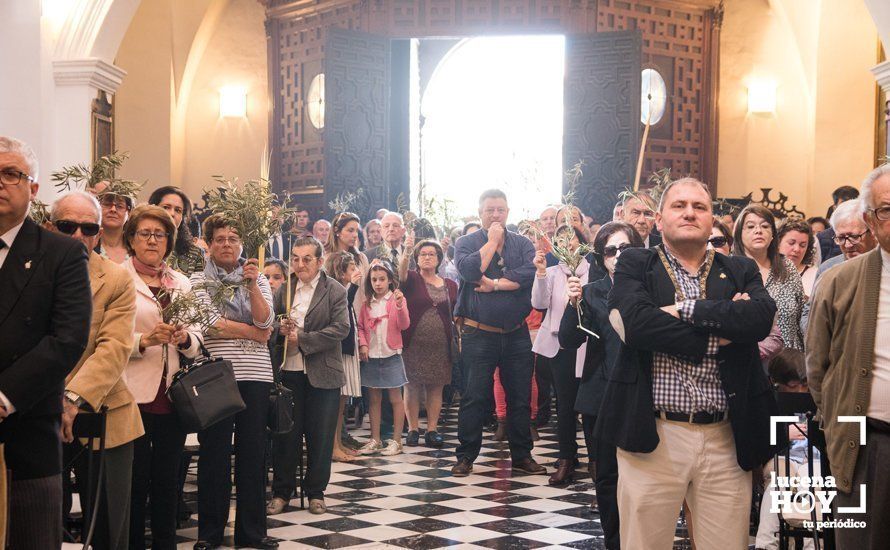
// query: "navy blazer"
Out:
[602,352]
[641,287]
[46,309]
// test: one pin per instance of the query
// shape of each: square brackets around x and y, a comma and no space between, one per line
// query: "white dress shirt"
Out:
[8,238]
[879,404]
[299,307]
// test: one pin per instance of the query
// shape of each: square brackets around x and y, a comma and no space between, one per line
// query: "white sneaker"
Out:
[393,447]
[370,448]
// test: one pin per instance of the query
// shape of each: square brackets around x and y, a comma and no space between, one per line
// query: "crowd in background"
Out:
[674,311]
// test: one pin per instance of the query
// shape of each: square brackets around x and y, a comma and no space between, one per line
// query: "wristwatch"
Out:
[496,281]
[74,399]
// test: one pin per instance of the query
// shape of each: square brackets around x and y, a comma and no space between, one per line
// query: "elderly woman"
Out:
[317,321]
[755,237]
[373,234]
[239,333]
[549,292]
[797,243]
[186,257]
[599,362]
[427,353]
[149,235]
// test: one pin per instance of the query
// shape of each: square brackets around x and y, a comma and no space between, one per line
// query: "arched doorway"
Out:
[496,104]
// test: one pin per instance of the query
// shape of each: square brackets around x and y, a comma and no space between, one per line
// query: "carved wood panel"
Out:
[680,40]
[602,115]
[356,143]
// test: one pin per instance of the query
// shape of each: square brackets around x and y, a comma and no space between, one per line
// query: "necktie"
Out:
[276,249]
[395,256]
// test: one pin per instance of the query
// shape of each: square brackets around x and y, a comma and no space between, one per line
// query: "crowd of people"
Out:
[667,339]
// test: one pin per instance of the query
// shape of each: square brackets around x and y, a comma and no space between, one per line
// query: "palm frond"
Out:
[249,207]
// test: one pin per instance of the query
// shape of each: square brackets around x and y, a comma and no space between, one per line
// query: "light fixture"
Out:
[762,97]
[232,101]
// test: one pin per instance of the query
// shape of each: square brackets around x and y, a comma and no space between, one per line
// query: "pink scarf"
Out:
[162,272]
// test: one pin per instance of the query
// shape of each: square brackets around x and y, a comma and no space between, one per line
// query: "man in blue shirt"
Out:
[496,276]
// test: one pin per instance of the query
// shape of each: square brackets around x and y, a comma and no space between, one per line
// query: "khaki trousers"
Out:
[692,461]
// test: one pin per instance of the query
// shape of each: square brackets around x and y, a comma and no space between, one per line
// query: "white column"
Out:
[882,75]
[78,82]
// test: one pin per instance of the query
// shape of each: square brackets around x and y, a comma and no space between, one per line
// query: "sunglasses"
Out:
[70,228]
[611,251]
[719,242]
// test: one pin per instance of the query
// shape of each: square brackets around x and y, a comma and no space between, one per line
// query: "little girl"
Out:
[342,266]
[383,317]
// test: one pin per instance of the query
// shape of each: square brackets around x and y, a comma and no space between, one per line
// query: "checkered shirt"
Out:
[679,385]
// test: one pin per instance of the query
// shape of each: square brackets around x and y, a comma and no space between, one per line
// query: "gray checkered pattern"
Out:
[679,385]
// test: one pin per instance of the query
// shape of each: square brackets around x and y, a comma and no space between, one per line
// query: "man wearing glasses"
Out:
[45,310]
[638,209]
[848,370]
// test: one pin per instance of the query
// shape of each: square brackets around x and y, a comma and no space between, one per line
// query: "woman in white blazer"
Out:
[149,236]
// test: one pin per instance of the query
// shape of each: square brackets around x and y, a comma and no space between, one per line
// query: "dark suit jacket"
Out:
[827,246]
[602,352]
[654,240]
[326,325]
[45,312]
[641,288]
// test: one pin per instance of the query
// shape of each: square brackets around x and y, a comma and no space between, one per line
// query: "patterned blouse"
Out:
[789,298]
[188,263]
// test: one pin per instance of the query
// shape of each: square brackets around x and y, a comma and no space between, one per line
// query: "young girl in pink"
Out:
[383,317]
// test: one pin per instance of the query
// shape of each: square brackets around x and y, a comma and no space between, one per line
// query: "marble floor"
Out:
[412,501]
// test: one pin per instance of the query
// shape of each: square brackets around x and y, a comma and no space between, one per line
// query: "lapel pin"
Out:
[722,275]
[28,264]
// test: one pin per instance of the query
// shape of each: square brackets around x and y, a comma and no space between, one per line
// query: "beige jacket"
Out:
[840,346]
[98,377]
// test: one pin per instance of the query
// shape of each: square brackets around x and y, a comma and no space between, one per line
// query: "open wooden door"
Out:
[602,116]
[356,133]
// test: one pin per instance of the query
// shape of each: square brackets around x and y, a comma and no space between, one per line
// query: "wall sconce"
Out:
[232,102]
[762,97]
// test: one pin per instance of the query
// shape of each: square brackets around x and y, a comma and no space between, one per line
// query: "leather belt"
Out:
[693,418]
[489,328]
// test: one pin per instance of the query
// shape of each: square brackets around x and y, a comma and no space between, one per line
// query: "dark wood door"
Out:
[602,116]
[356,133]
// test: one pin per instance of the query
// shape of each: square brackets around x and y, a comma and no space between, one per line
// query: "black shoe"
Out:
[413,438]
[434,439]
[463,468]
[528,466]
[204,545]
[264,544]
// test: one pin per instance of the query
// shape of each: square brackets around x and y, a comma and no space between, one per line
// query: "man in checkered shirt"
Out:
[688,403]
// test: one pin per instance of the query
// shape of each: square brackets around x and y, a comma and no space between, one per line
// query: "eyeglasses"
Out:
[882,213]
[610,251]
[70,228]
[146,235]
[11,176]
[113,203]
[234,241]
[427,255]
[852,240]
[719,242]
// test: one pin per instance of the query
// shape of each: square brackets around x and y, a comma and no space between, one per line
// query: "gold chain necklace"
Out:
[703,279]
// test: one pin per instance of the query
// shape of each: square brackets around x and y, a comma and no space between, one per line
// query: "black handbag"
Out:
[281,407]
[205,392]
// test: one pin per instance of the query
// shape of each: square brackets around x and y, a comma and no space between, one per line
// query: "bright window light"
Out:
[493,117]
[232,101]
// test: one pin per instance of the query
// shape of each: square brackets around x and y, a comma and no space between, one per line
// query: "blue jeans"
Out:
[481,353]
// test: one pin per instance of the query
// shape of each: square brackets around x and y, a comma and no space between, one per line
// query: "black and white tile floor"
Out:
[412,501]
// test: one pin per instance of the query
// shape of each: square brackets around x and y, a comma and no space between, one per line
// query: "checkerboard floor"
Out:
[412,501]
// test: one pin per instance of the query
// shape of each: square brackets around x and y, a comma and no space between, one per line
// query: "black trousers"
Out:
[113,522]
[482,352]
[156,457]
[35,513]
[315,416]
[562,366]
[871,470]
[544,379]
[606,482]
[215,470]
